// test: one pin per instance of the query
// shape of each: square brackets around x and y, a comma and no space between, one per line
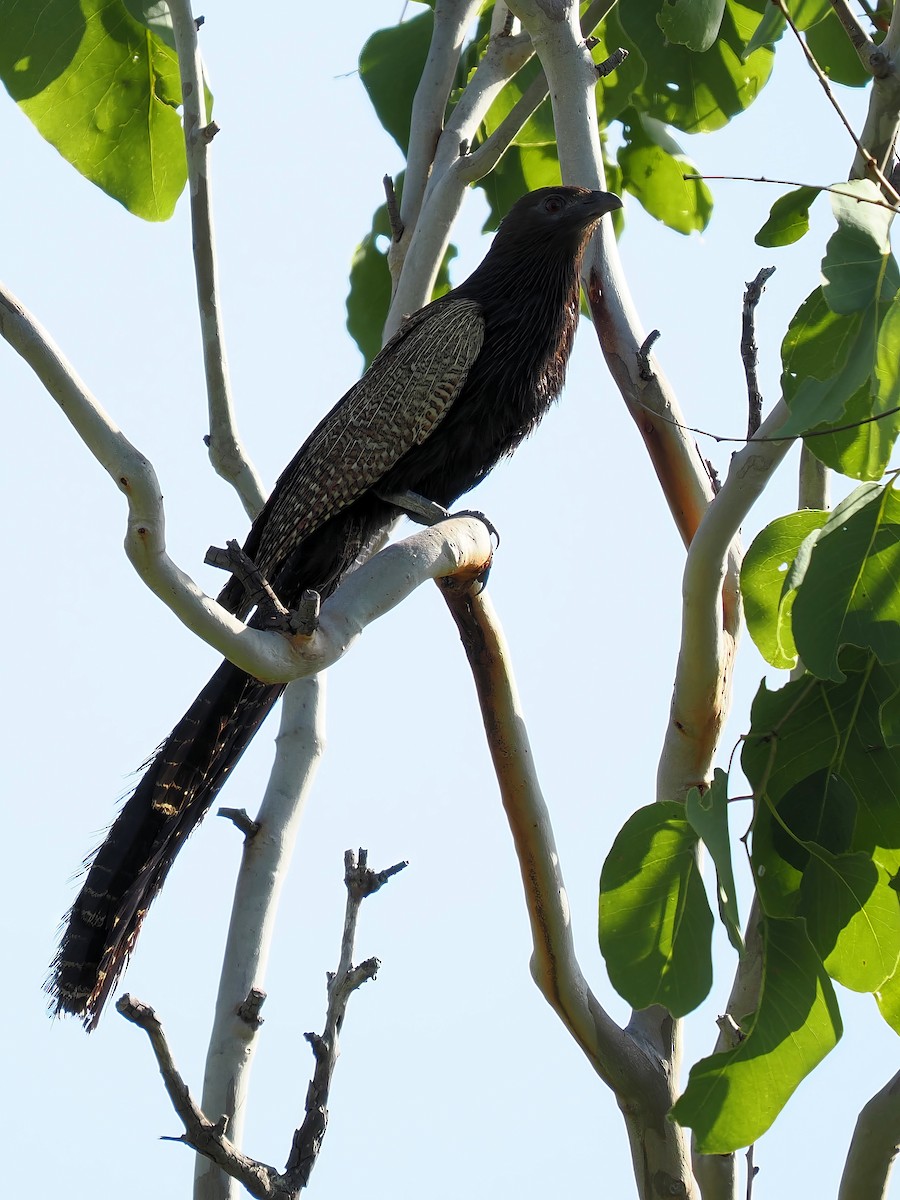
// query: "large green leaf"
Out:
[390,66]
[851,590]
[811,726]
[858,267]
[708,815]
[770,576]
[733,1097]
[104,91]
[520,170]
[789,217]
[653,170]
[863,443]
[697,92]
[614,91]
[538,130]
[655,922]
[852,918]
[835,54]
[840,352]
[692,23]
[888,1000]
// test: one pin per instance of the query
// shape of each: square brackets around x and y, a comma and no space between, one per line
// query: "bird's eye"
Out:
[554,204]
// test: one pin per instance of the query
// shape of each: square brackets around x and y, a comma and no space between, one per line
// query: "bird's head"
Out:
[563,215]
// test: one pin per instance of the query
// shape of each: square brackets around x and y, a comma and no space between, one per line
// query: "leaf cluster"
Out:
[822,754]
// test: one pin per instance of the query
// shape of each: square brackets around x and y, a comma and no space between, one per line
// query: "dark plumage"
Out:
[459,386]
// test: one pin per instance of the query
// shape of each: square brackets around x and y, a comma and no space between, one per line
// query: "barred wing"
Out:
[404,395]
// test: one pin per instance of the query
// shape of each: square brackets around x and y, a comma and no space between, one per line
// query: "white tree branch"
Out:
[554,965]
[701,687]
[874,1146]
[299,746]
[421,249]
[644,1086]
[452,19]
[226,451]
[879,132]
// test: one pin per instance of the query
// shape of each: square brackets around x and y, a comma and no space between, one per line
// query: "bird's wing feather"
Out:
[403,396]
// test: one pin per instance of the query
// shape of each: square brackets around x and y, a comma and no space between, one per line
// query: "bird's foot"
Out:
[427,512]
[416,507]
[259,593]
[491,527]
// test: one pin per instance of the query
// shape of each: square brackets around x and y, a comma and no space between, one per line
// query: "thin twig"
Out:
[811,433]
[360,882]
[752,1171]
[226,451]
[826,86]
[820,187]
[749,348]
[200,1133]
[645,371]
[208,1138]
[393,209]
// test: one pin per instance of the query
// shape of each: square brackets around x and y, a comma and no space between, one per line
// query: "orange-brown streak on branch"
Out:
[614,1056]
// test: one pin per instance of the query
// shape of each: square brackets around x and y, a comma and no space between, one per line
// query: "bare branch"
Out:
[813,490]
[749,348]
[360,882]
[226,451]
[200,1133]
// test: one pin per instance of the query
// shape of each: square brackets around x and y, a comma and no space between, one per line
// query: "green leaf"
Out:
[888,999]
[835,54]
[816,405]
[851,591]
[104,91]
[769,30]
[816,814]
[789,216]
[538,130]
[806,13]
[858,268]
[810,726]
[614,91]
[852,918]
[708,815]
[655,922]
[733,1097]
[864,450]
[520,170]
[691,23]
[155,15]
[653,170]
[770,576]
[390,66]
[697,93]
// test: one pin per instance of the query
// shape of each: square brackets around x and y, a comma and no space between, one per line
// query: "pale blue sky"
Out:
[455,1075]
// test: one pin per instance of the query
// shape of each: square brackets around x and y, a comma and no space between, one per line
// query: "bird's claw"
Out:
[491,527]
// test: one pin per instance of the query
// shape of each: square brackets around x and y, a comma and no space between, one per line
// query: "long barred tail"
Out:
[129,868]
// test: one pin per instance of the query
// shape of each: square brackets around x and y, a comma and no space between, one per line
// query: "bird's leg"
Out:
[416,507]
[260,593]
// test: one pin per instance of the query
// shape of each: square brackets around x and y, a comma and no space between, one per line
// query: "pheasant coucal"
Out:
[459,386]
